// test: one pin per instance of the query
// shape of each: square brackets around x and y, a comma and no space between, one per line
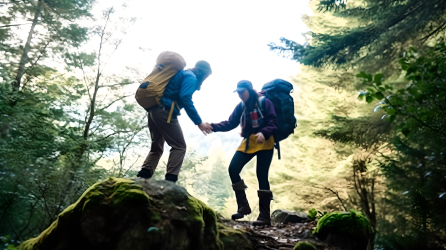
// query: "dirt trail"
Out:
[279,237]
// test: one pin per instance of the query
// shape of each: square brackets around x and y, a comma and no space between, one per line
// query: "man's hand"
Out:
[205,127]
[260,137]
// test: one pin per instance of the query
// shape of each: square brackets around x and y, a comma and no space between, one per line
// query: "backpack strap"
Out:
[278,148]
[262,102]
[174,103]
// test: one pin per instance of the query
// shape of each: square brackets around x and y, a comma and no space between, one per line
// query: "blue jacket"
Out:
[180,88]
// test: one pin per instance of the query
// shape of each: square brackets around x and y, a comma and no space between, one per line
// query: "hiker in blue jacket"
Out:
[179,90]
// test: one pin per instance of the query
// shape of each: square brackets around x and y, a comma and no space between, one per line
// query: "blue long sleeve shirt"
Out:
[180,88]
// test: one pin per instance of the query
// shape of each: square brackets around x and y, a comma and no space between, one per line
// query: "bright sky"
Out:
[231,35]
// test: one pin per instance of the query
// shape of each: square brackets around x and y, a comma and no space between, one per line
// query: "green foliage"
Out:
[302,245]
[421,104]
[48,154]
[315,215]
[415,173]
[57,34]
[8,243]
[378,32]
[214,184]
[312,214]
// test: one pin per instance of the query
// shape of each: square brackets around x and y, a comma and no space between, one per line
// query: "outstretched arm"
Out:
[188,87]
[231,123]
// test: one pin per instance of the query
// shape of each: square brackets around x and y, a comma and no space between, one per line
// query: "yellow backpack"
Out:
[149,93]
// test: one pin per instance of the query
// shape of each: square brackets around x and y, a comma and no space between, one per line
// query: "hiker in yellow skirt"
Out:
[258,121]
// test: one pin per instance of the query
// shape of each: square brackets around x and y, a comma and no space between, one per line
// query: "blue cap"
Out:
[203,66]
[242,85]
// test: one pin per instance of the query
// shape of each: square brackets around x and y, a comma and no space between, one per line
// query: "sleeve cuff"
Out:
[198,121]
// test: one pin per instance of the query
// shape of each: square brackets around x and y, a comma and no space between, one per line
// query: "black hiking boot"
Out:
[144,173]
[242,202]
[264,219]
[171,177]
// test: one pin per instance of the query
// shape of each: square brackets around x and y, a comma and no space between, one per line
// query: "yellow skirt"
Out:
[255,147]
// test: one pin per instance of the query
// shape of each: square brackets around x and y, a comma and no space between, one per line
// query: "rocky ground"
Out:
[280,236]
[126,214]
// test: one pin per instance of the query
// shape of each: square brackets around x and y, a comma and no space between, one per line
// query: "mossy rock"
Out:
[234,239]
[304,246]
[126,214]
[349,230]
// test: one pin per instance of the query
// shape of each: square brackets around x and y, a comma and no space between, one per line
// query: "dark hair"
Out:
[252,100]
[200,76]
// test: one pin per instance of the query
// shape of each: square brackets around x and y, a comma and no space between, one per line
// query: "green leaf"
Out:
[312,214]
[378,79]
[404,65]
[411,109]
[405,131]
[413,91]
[362,74]
[11,247]
[369,77]
[379,95]
[362,94]
[369,99]
[391,111]
[391,118]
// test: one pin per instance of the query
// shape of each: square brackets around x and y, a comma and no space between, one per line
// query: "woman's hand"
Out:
[205,127]
[260,137]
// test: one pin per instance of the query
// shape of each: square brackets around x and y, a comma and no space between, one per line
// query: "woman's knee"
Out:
[233,169]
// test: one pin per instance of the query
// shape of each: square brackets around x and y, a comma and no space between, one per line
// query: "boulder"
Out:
[285,216]
[234,239]
[347,230]
[143,214]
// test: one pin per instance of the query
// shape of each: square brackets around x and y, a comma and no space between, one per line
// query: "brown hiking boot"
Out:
[264,219]
[242,202]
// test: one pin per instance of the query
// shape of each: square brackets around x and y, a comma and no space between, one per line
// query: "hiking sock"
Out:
[144,173]
[171,177]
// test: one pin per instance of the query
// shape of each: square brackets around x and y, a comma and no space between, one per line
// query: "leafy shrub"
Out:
[312,214]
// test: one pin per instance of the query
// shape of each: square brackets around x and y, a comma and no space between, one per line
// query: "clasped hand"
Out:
[205,127]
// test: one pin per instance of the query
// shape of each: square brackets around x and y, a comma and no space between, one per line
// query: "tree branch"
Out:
[12,25]
[114,133]
[432,33]
[113,102]
[337,195]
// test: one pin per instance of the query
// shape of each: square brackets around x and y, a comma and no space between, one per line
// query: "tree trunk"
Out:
[24,58]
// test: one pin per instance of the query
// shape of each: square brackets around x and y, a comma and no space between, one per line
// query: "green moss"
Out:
[352,222]
[113,191]
[119,212]
[304,246]
[198,208]
[233,238]
[206,216]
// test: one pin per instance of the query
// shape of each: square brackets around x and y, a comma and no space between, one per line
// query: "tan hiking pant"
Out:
[161,132]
